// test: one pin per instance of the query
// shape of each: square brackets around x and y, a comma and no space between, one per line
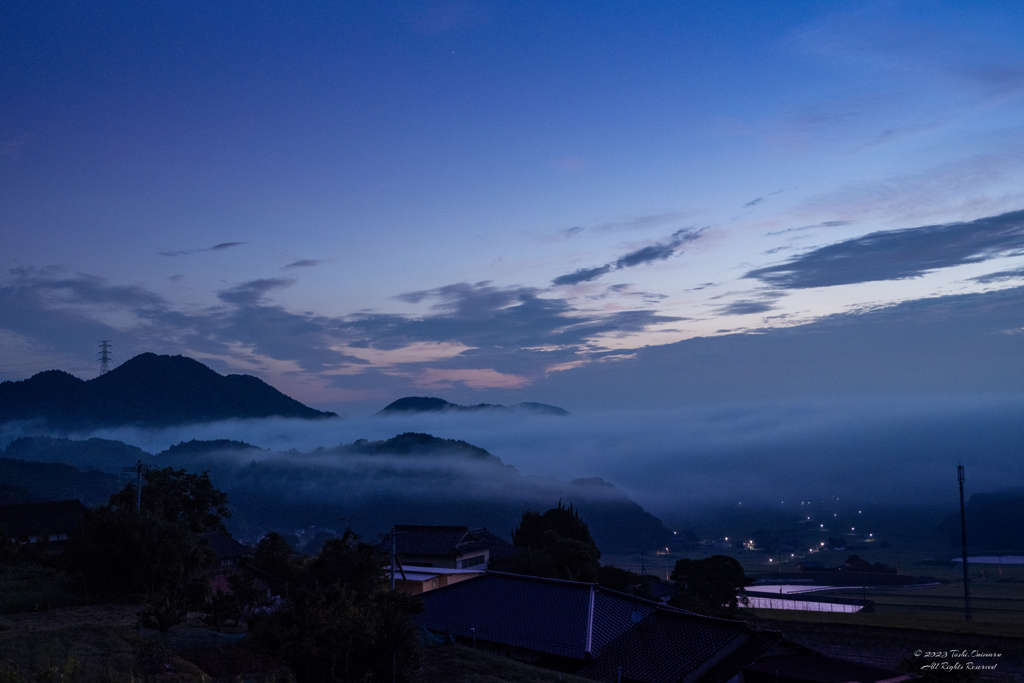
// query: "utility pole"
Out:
[105,354]
[963,544]
[138,468]
[394,557]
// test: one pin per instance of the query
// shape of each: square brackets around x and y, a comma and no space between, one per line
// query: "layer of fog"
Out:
[882,451]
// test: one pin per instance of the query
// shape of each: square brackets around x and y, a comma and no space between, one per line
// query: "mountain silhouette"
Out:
[412,443]
[430,404]
[148,390]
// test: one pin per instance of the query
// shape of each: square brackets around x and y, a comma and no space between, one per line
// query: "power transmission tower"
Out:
[106,353]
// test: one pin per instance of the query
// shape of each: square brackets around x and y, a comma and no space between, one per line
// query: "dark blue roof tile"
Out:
[537,614]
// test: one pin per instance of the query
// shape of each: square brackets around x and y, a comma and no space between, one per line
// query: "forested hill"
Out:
[410,478]
[430,404]
[148,390]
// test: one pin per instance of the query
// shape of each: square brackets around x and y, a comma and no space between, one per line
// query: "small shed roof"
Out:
[223,545]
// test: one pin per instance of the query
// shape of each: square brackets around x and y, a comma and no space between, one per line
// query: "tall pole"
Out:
[393,554]
[138,489]
[963,544]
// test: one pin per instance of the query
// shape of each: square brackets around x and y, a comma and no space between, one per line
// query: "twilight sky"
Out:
[603,204]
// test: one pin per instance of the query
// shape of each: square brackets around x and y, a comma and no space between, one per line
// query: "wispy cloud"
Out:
[899,254]
[747,307]
[472,335]
[475,379]
[253,292]
[650,220]
[581,275]
[824,224]
[654,252]
[13,146]
[217,247]
[1001,276]
[304,263]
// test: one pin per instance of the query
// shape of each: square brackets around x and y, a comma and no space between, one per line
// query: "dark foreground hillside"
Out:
[147,390]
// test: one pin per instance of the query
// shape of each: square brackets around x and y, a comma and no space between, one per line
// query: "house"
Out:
[229,552]
[591,631]
[446,547]
[413,580]
[32,522]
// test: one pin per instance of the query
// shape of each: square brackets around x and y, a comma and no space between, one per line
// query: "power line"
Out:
[105,354]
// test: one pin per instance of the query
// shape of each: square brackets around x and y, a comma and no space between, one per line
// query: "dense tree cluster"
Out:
[556,544]
[857,564]
[710,586]
[337,620]
[153,552]
[341,623]
[175,496]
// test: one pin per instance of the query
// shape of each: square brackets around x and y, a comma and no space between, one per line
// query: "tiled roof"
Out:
[613,614]
[414,539]
[500,548]
[426,540]
[34,519]
[667,645]
[537,614]
[818,668]
[760,643]
[652,642]
[556,617]
[223,545]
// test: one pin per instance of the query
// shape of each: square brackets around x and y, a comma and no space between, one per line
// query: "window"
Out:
[473,561]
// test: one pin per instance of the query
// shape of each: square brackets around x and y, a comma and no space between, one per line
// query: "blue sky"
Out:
[579,203]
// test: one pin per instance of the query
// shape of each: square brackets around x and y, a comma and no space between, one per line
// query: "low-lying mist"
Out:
[677,463]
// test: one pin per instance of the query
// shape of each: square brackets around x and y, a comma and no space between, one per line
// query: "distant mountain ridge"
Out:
[371,485]
[147,390]
[430,404]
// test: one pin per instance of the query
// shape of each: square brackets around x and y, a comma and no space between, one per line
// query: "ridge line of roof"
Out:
[597,588]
